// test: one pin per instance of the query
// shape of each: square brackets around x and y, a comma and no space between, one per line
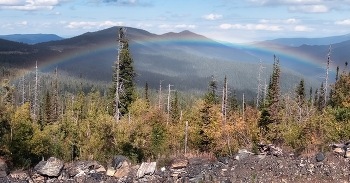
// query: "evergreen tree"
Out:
[310,102]
[147,94]
[211,96]
[207,116]
[270,112]
[234,102]
[300,93]
[126,86]
[321,103]
[48,110]
[175,111]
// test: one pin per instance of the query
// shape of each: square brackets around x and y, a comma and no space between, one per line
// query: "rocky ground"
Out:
[244,167]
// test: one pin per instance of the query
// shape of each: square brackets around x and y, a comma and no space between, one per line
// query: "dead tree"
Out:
[118,84]
[160,95]
[259,85]
[168,104]
[36,93]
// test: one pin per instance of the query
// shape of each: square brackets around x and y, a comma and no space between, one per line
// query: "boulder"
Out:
[242,153]
[110,171]
[195,161]
[83,166]
[146,169]
[52,167]
[319,157]
[118,161]
[179,163]
[338,150]
[224,160]
[21,175]
[38,178]
[123,171]
[4,171]
[347,154]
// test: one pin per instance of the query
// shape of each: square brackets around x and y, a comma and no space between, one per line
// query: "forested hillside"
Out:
[53,114]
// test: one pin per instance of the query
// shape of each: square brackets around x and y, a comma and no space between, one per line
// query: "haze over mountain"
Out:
[295,42]
[31,38]
[185,60]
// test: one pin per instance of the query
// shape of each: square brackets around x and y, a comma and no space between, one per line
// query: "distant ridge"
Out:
[185,59]
[295,42]
[31,38]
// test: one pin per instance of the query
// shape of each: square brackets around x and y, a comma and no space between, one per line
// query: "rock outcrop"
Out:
[4,171]
[265,167]
[52,167]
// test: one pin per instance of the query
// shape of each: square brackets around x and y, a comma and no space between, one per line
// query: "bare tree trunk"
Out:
[186,136]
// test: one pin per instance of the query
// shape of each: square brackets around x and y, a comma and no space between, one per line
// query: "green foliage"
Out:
[175,110]
[127,88]
[20,140]
[300,93]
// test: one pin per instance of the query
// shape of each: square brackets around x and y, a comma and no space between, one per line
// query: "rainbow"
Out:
[192,41]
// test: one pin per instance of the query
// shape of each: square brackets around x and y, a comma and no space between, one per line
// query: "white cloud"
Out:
[185,26]
[225,26]
[30,5]
[92,25]
[143,25]
[251,27]
[192,26]
[302,28]
[278,21]
[309,8]
[343,22]
[181,26]
[123,2]
[306,6]
[164,26]
[212,16]
[292,21]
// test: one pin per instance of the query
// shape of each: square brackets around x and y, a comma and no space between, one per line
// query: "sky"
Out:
[234,21]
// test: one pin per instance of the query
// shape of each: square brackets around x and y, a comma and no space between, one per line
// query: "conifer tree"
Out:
[300,93]
[210,99]
[55,97]
[234,102]
[321,102]
[123,91]
[147,94]
[270,111]
[47,111]
[175,110]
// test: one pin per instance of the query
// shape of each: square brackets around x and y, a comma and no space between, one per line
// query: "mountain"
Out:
[185,60]
[31,38]
[295,42]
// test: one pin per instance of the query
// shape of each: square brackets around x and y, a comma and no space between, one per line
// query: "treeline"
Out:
[81,125]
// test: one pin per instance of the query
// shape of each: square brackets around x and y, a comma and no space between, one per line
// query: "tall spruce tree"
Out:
[175,110]
[300,93]
[210,99]
[124,89]
[270,111]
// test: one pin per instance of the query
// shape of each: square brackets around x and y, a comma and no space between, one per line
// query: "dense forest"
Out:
[45,115]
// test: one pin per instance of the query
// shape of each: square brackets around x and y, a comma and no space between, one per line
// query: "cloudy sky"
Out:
[226,20]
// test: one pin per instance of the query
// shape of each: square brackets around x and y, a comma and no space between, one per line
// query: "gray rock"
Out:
[224,160]
[20,175]
[4,171]
[146,169]
[118,161]
[242,153]
[319,157]
[179,163]
[52,167]
[82,166]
